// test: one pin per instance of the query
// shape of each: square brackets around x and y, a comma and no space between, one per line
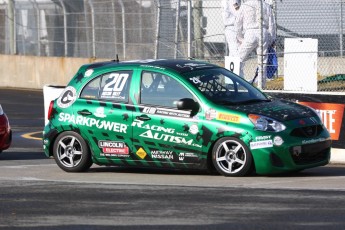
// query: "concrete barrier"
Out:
[34,72]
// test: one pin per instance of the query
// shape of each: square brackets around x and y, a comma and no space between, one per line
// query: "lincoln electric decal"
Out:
[331,116]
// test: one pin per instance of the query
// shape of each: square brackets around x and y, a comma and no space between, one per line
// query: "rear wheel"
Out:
[231,157]
[71,152]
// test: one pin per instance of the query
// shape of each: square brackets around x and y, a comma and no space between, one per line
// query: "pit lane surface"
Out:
[35,193]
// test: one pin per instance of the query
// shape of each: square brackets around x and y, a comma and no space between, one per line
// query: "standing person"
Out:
[230,9]
[272,62]
[249,34]
[272,27]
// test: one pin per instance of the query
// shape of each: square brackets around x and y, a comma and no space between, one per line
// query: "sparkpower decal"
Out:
[67,97]
[92,122]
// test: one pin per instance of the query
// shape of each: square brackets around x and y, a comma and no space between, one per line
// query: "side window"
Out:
[161,90]
[90,91]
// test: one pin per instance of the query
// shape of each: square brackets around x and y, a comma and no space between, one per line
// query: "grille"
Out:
[311,153]
[307,131]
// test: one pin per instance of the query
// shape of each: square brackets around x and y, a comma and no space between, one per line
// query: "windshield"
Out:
[223,87]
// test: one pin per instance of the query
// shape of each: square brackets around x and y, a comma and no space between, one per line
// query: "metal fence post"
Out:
[64,27]
[177,18]
[12,28]
[35,5]
[114,27]
[261,45]
[93,28]
[157,28]
[341,29]
[189,25]
[123,28]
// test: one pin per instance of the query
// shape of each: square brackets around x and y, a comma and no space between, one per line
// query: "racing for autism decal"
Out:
[67,98]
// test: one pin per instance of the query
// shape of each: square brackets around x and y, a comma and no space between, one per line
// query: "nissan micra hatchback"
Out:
[179,114]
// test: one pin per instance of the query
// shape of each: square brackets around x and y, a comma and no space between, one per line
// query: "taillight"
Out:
[50,110]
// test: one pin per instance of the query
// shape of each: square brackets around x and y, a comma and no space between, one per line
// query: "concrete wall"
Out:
[34,72]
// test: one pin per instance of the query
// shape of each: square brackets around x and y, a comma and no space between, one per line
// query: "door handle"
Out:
[84,112]
[143,118]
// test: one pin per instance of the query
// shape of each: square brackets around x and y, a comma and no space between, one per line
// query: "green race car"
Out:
[179,114]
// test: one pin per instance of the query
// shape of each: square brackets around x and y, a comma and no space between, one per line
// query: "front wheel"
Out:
[231,157]
[71,152]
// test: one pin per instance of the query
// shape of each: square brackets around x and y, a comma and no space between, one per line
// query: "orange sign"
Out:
[331,116]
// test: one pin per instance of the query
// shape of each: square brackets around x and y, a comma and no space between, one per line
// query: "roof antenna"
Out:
[117,59]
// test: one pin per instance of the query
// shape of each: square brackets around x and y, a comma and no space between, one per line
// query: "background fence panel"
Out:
[141,29]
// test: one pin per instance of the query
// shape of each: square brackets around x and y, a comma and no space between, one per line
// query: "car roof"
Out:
[178,65]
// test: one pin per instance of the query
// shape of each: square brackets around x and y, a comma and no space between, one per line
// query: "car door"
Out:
[163,135]
[104,120]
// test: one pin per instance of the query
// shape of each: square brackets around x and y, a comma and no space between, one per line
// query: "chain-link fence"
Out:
[141,29]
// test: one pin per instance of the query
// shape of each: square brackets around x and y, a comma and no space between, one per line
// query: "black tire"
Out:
[71,153]
[231,157]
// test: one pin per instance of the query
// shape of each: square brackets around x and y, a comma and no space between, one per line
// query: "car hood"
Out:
[278,109]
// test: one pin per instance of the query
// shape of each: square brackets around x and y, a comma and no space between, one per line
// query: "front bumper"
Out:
[292,158]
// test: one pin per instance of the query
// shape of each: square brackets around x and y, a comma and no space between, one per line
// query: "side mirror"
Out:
[188,104]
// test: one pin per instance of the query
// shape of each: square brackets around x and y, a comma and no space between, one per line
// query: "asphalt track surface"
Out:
[36,194]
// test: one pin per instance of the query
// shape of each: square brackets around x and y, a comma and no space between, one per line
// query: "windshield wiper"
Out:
[225,102]
[254,101]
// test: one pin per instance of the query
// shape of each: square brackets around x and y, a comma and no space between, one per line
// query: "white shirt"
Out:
[229,12]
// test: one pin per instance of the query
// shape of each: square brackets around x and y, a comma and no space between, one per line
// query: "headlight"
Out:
[265,123]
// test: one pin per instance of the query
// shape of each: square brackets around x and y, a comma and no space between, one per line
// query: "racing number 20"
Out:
[117,83]
[115,86]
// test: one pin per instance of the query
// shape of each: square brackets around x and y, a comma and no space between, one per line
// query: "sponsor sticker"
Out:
[261,144]
[194,129]
[210,114]
[67,97]
[228,117]
[164,155]
[141,153]
[182,156]
[113,148]
[100,112]
[88,72]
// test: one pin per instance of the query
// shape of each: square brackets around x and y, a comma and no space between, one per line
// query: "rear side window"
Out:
[112,86]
